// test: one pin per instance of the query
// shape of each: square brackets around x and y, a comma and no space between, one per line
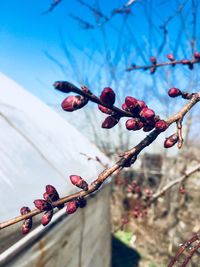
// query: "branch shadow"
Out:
[123,256]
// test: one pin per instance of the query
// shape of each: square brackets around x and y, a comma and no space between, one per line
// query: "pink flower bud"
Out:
[24,210]
[174,92]
[134,124]
[161,125]
[182,189]
[171,140]
[26,226]
[109,122]
[42,205]
[141,104]
[147,113]
[196,55]
[170,57]
[153,60]
[46,218]
[152,70]
[72,103]
[108,96]
[50,189]
[64,87]
[148,192]
[79,182]
[185,61]
[131,102]
[124,107]
[71,207]
[105,110]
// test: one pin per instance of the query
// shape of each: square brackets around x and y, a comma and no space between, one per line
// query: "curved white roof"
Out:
[37,147]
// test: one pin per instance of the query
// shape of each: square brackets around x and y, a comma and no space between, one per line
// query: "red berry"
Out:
[171,141]
[72,103]
[105,110]
[42,205]
[161,125]
[79,182]
[46,218]
[147,113]
[109,122]
[174,92]
[108,96]
[170,57]
[71,207]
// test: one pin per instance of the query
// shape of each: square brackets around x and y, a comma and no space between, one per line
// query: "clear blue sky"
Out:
[25,34]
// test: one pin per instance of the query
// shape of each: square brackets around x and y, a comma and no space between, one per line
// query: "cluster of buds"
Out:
[139,211]
[47,204]
[143,117]
[135,189]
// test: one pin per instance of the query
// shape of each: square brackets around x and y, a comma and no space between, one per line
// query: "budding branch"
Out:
[127,158]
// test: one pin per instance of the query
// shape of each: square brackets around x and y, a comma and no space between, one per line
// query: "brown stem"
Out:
[174,182]
[126,160]
[157,65]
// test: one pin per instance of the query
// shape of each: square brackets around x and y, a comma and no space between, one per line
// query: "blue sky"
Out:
[25,36]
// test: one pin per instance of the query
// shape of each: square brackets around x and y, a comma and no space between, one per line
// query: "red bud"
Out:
[171,141]
[42,205]
[141,104]
[46,218]
[79,182]
[26,226]
[109,122]
[161,125]
[105,110]
[196,55]
[133,124]
[174,92]
[24,210]
[147,113]
[72,103]
[153,60]
[170,57]
[108,96]
[131,102]
[71,207]
[185,61]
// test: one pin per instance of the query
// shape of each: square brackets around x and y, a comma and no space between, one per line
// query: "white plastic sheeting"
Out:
[37,147]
